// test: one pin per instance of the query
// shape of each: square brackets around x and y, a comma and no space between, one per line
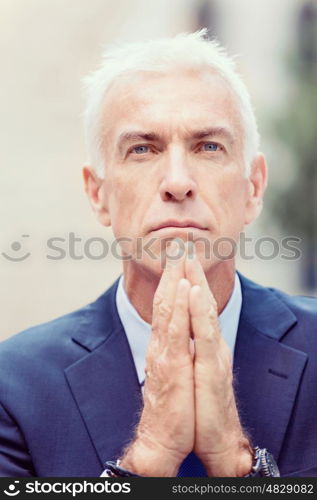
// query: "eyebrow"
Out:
[193,134]
[136,136]
[212,132]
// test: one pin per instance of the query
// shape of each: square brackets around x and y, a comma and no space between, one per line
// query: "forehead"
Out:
[170,103]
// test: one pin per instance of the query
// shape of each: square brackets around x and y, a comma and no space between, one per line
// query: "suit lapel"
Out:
[267,372]
[104,382]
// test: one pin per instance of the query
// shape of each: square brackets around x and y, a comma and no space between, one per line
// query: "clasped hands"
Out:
[189,402]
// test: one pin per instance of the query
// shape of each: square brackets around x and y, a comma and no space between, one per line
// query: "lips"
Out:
[172,223]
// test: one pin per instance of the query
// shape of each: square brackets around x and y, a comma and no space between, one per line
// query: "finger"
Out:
[204,323]
[195,274]
[179,326]
[166,291]
[174,269]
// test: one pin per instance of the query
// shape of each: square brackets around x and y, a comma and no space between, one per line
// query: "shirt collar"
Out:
[138,331]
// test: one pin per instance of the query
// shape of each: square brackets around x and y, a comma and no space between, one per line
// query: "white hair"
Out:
[186,50]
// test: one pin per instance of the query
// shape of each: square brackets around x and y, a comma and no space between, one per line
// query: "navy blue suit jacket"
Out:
[70,397]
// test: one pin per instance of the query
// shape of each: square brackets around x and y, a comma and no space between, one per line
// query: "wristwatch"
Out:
[264,464]
[115,470]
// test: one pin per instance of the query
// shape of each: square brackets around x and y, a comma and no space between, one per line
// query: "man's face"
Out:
[173,148]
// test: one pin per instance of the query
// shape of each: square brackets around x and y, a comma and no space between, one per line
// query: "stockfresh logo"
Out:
[72,488]
[12,490]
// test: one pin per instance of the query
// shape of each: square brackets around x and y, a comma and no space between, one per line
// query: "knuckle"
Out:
[172,329]
[161,365]
[161,360]
[212,315]
[210,337]
[214,304]
[158,299]
[164,309]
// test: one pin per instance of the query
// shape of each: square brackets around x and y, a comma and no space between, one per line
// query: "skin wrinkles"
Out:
[126,139]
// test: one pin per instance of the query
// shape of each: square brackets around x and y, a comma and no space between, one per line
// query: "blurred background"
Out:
[46,47]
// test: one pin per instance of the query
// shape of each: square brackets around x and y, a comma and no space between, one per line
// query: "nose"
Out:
[177,184]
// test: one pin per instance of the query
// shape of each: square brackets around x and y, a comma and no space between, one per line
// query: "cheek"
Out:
[227,196]
[127,200]
[121,205]
[234,207]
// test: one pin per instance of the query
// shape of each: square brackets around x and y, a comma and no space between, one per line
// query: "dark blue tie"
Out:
[192,467]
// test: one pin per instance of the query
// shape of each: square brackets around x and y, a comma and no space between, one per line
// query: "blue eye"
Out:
[210,146]
[140,149]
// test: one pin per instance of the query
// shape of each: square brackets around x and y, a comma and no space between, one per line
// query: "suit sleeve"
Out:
[15,460]
[311,472]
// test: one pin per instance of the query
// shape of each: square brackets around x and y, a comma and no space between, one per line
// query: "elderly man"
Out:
[230,367]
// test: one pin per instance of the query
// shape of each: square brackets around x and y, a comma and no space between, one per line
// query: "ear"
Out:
[257,182]
[96,190]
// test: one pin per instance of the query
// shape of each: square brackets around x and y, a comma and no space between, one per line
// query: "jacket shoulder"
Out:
[34,341]
[280,315]
[53,338]
[304,307]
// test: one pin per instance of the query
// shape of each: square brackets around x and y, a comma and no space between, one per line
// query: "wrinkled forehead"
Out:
[170,100]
